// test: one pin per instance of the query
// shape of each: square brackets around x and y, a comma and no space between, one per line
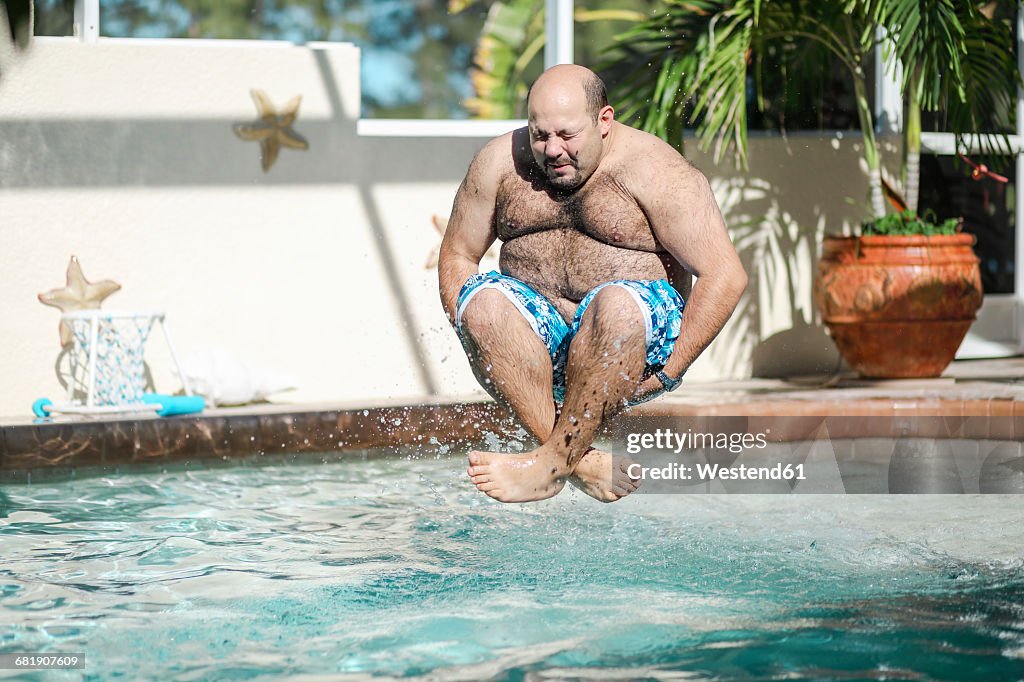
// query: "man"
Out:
[600,225]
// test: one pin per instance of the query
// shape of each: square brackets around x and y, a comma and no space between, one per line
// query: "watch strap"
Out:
[668,382]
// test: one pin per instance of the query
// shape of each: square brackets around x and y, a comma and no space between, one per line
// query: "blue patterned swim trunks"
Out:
[660,303]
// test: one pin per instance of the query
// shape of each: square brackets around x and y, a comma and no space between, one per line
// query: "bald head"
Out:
[570,85]
[570,121]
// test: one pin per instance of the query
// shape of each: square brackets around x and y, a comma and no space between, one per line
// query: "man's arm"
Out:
[470,229]
[686,220]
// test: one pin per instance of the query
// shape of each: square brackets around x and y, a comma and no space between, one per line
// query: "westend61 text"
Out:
[667,439]
[714,472]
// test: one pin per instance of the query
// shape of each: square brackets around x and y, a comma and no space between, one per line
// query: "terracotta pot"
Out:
[898,307]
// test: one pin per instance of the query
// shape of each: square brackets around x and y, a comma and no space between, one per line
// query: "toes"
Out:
[475,457]
[626,482]
[613,495]
[478,470]
[480,479]
[625,476]
[622,479]
[623,487]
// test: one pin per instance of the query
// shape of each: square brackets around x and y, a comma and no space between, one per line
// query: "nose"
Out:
[553,148]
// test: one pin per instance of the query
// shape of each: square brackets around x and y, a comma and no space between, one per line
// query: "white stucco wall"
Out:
[123,154]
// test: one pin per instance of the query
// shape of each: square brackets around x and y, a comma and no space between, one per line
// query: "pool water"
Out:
[398,567]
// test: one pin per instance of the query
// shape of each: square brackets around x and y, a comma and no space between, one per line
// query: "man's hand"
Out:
[646,389]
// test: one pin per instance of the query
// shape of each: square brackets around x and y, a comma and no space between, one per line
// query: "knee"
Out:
[485,314]
[614,308]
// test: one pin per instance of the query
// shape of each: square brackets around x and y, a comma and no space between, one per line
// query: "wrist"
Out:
[668,382]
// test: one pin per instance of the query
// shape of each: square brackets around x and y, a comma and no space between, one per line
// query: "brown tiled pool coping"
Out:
[283,429]
[240,432]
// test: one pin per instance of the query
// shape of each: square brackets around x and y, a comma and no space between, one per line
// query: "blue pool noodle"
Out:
[171,405]
[39,407]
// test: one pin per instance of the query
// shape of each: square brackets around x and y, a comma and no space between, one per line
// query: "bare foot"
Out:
[516,478]
[603,477]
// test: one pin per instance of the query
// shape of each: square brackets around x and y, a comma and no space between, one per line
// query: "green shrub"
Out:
[909,223]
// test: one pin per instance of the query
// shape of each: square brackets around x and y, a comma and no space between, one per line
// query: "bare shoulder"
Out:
[491,163]
[650,164]
[675,196]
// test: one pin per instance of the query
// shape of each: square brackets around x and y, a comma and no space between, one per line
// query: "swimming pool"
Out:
[397,567]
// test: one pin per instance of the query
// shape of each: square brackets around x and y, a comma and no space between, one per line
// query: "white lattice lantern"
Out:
[107,362]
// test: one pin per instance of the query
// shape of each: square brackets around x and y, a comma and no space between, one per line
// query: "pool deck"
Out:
[966,388]
[985,396]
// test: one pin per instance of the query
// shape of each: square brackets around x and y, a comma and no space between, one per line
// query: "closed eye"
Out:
[565,135]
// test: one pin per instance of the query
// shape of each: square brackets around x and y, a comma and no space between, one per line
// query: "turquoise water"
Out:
[398,568]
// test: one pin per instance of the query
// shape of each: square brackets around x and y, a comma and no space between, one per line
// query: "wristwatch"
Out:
[668,382]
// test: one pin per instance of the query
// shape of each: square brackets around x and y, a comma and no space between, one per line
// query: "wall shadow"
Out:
[51,154]
[777,217]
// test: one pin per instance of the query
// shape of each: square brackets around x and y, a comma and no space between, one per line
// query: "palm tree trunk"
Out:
[912,149]
[867,129]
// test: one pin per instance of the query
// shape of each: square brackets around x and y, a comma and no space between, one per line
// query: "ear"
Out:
[605,118]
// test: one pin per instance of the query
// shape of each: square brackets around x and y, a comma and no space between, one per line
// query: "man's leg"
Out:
[606,360]
[509,359]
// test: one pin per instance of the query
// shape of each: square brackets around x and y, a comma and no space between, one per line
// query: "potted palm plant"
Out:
[899,299]
[885,294]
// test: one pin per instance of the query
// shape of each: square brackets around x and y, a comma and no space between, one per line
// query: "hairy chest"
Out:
[602,210]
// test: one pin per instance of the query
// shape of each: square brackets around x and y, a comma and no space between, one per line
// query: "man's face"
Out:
[565,140]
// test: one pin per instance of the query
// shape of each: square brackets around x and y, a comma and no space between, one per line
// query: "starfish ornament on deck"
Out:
[272,130]
[78,294]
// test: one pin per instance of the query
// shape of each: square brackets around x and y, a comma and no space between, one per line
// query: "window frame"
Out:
[557,50]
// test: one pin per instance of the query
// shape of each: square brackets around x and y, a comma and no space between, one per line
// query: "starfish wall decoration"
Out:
[272,130]
[440,225]
[78,294]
